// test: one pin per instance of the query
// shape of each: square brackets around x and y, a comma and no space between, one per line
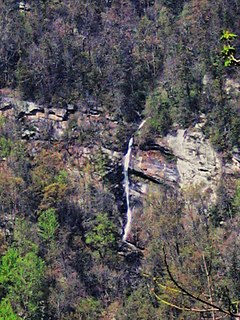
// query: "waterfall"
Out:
[126,163]
[126,186]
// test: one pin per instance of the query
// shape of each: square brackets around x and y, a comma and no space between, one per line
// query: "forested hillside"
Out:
[76,80]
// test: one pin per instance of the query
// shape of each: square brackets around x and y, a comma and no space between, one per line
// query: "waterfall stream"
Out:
[126,163]
[126,186]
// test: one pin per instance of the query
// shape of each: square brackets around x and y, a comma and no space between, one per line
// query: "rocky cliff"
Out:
[182,160]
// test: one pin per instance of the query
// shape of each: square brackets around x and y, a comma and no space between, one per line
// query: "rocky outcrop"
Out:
[20,108]
[197,162]
[185,162]
[184,159]
[38,122]
[56,123]
[23,6]
[154,165]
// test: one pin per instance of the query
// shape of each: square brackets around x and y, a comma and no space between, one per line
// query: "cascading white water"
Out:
[126,186]
[126,163]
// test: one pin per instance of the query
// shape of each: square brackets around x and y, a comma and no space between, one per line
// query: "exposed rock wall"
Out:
[183,160]
[197,162]
[38,122]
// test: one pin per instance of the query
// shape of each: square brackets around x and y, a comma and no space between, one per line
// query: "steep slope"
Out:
[76,80]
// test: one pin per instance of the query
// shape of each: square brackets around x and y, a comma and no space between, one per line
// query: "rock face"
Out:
[183,161]
[154,165]
[185,158]
[38,122]
[43,123]
[20,107]
[197,162]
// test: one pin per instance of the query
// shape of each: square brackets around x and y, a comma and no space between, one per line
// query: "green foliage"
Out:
[101,162]
[5,147]
[6,311]
[228,49]
[138,306]
[227,52]
[236,199]
[62,177]
[21,281]
[158,112]
[224,134]
[24,236]
[8,265]
[228,61]
[227,35]
[88,309]
[22,273]
[102,236]
[47,224]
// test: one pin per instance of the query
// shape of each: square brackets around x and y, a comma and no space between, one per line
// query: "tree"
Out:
[102,236]
[88,309]
[6,311]
[194,276]
[21,280]
[208,306]
[138,305]
[228,50]
[236,199]
[47,225]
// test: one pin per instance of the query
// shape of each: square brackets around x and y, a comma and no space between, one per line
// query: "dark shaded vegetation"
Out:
[60,240]
[111,55]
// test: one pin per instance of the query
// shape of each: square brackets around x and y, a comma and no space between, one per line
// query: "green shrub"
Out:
[5,147]
[47,224]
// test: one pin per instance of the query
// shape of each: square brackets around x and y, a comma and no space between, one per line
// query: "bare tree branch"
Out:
[191,295]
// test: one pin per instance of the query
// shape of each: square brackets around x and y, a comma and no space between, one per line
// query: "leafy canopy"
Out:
[47,224]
